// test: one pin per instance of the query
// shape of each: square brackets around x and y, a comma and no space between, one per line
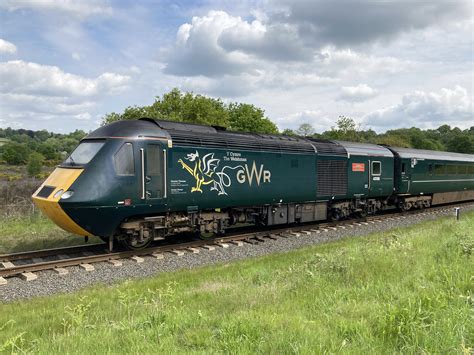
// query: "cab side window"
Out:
[123,160]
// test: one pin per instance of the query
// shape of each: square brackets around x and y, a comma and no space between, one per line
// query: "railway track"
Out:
[26,264]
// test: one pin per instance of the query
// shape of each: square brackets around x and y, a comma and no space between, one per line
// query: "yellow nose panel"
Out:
[60,179]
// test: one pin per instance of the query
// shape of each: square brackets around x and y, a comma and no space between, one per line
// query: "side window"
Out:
[471,170]
[430,169]
[439,169]
[376,168]
[154,160]
[462,169]
[123,160]
[403,168]
[451,170]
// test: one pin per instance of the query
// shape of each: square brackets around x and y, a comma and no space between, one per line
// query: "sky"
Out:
[64,64]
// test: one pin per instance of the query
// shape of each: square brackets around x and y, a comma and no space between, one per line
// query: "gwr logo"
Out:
[247,175]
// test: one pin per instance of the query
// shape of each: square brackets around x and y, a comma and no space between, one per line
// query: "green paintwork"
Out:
[418,179]
[228,178]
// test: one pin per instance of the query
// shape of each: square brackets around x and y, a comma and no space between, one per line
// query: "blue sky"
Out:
[66,63]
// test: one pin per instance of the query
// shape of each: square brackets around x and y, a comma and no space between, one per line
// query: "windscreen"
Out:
[84,153]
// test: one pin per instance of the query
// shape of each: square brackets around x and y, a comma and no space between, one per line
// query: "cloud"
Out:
[318,119]
[426,110]
[359,93]
[79,8]
[31,93]
[7,47]
[31,78]
[348,22]
[197,51]
[334,61]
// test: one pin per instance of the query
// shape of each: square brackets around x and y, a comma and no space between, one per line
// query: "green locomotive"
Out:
[135,181]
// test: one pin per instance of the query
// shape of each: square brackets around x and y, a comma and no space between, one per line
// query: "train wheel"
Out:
[134,242]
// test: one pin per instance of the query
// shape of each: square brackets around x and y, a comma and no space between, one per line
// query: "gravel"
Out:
[49,282]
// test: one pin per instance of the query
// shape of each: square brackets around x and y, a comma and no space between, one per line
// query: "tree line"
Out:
[38,148]
[444,138]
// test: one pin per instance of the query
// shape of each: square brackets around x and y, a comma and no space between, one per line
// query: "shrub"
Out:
[35,163]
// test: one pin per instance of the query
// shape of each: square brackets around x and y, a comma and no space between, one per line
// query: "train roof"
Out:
[128,129]
[367,149]
[432,155]
[194,135]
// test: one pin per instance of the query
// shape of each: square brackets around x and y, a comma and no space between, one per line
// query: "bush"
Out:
[15,153]
[35,163]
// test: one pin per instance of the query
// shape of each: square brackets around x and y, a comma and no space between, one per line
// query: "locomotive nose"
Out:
[48,195]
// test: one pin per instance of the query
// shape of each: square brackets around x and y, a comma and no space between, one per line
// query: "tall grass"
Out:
[403,291]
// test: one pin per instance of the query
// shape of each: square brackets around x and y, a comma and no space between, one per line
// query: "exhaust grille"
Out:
[332,177]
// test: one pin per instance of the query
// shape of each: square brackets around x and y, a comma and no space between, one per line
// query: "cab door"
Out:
[153,161]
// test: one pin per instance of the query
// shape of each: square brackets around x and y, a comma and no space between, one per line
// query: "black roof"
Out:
[192,135]
[128,129]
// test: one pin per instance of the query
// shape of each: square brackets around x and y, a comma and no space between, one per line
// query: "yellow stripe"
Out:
[61,179]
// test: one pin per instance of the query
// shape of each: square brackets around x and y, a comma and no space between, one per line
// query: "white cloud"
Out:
[197,51]
[80,8]
[426,110]
[359,93]
[348,61]
[316,117]
[7,47]
[31,78]
[33,93]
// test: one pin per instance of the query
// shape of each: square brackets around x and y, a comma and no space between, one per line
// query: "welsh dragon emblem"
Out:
[205,172]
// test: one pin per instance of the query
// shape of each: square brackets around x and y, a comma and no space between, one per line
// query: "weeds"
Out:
[405,291]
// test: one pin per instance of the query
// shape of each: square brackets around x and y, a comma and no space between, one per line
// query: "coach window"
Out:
[451,170]
[376,168]
[123,160]
[439,169]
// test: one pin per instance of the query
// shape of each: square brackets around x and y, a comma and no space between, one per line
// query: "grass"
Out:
[404,291]
[34,232]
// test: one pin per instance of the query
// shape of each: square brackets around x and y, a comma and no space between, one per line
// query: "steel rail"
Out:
[251,237]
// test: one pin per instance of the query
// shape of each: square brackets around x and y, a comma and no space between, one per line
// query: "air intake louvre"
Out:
[238,141]
[332,177]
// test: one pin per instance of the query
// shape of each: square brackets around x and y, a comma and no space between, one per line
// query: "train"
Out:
[135,181]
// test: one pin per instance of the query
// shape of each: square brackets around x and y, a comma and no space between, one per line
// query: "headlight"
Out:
[67,195]
[58,193]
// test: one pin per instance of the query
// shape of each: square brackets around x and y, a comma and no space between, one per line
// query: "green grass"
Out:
[403,291]
[34,232]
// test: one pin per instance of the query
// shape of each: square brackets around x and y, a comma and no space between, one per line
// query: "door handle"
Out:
[148,179]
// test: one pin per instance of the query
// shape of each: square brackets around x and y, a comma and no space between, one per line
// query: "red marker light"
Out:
[127,202]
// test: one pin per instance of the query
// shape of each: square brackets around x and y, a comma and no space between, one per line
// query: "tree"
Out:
[461,144]
[35,163]
[192,108]
[248,118]
[288,132]
[346,129]
[15,153]
[305,130]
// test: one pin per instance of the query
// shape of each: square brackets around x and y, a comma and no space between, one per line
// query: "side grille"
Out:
[332,177]
[45,191]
